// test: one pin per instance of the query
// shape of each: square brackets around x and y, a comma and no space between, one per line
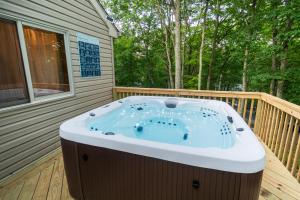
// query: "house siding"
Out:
[30,132]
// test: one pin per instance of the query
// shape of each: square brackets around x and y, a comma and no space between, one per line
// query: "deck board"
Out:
[48,181]
[42,187]
[278,181]
[65,191]
[13,191]
[29,187]
[55,187]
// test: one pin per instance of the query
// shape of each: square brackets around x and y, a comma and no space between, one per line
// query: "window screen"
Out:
[47,61]
[13,88]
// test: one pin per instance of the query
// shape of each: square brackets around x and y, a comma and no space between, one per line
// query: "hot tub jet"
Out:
[109,133]
[185,136]
[138,127]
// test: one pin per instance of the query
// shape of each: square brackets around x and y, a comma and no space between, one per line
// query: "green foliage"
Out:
[128,70]
[140,54]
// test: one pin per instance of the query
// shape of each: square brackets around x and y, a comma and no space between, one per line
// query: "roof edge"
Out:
[113,30]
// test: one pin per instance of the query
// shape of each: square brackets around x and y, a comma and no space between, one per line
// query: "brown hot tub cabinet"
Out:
[95,173]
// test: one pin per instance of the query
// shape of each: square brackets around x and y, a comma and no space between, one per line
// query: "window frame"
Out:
[43,26]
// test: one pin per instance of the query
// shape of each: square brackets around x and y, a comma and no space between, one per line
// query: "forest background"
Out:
[246,45]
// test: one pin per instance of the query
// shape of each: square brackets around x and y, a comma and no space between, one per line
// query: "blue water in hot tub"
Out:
[192,125]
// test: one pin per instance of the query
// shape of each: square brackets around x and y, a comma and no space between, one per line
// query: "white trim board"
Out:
[113,31]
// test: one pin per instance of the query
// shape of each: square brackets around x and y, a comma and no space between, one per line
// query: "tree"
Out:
[285,47]
[250,36]
[202,45]
[163,19]
[214,44]
[245,45]
[177,48]
[274,5]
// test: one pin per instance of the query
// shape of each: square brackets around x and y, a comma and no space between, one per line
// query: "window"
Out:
[33,63]
[13,88]
[47,61]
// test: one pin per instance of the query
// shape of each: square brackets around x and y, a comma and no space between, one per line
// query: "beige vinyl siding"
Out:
[29,132]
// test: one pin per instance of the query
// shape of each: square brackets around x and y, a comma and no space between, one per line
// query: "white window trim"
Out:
[25,60]
[68,59]
[47,98]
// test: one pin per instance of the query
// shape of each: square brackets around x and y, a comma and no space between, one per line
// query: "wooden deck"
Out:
[46,180]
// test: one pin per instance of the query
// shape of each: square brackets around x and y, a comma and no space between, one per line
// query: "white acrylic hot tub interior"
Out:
[189,131]
[185,123]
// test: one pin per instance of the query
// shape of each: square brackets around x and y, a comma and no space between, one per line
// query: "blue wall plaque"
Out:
[89,52]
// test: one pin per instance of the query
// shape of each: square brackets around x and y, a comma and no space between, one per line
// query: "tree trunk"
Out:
[220,82]
[283,61]
[273,69]
[245,69]
[177,45]
[188,57]
[202,46]
[168,57]
[186,23]
[167,48]
[251,36]
[274,54]
[214,46]
[283,64]
[182,63]
[222,71]
[149,68]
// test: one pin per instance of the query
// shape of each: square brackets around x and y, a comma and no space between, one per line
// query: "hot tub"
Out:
[144,147]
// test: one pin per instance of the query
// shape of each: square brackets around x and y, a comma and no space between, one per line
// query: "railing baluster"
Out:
[250,114]
[283,138]
[239,106]
[288,139]
[233,102]
[284,118]
[271,127]
[245,109]
[293,144]
[267,127]
[275,130]
[265,123]
[296,158]
[257,121]
[262,119]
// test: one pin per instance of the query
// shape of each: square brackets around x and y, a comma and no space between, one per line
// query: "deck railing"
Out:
[273,120]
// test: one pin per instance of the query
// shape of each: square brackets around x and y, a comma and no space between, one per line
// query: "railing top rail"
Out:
[290,108]
[186,92]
